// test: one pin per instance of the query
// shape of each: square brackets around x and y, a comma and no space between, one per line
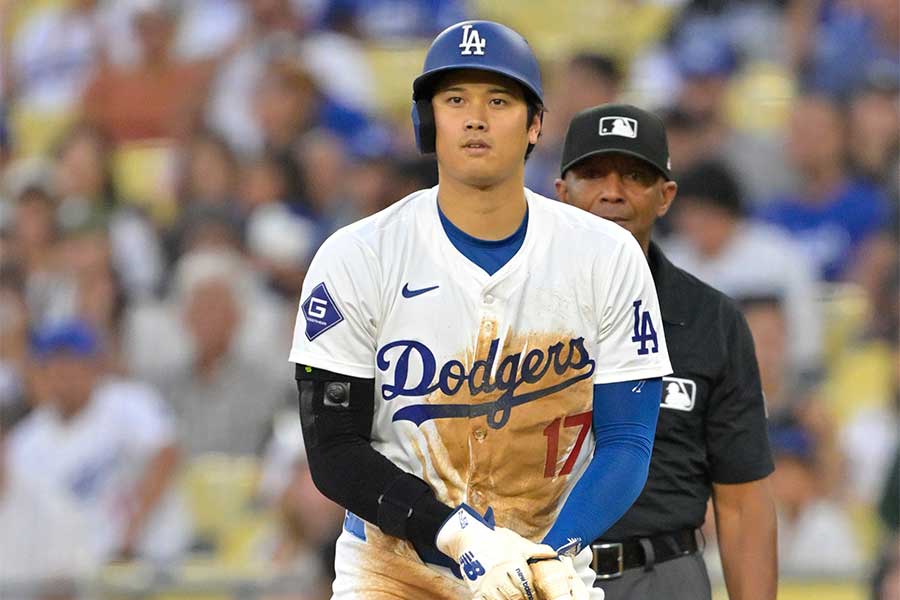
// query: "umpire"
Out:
[711,436]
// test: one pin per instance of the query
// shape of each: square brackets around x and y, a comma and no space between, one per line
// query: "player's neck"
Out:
[491,213]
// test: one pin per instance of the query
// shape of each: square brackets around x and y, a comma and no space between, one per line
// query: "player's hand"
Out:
[557,579]
[492,561]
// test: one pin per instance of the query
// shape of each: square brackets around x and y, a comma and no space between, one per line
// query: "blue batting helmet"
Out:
[482,45]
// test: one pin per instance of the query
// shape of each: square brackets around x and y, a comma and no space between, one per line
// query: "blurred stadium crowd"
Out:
[167,170]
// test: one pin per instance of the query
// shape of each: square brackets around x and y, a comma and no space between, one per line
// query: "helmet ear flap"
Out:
[423,125]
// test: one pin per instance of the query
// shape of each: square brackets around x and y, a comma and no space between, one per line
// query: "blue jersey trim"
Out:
[490,255]
[355,526]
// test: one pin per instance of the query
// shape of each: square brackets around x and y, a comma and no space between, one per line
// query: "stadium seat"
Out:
[810,591]
[395,68]
[617,27]
[145,175]
[37,132]
[759,99]
[220,490]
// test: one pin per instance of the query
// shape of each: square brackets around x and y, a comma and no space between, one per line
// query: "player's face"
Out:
[620,188]
[482,127]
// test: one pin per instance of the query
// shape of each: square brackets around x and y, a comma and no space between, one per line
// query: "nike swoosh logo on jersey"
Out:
[408,293]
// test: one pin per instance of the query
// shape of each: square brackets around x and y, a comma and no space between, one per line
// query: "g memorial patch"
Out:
[320,312]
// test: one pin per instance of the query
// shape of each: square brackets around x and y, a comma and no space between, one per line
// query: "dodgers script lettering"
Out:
[513,370]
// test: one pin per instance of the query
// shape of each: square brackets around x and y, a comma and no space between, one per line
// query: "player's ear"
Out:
[669,191]
[562,190]
[535,122]
[534,129]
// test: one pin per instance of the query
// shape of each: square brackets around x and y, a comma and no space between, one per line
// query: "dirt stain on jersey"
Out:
[507,468]
[467,460]
[387,568]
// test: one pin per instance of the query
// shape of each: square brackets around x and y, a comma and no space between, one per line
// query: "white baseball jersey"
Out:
[484,383]
[43,535]
[96,458]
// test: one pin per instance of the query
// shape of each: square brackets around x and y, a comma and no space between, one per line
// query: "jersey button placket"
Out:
[489,314]
[479,452]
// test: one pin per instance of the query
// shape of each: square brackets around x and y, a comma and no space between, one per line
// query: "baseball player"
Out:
[711,437]
[468,392]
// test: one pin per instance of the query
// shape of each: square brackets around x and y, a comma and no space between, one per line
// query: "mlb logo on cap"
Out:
[622,126]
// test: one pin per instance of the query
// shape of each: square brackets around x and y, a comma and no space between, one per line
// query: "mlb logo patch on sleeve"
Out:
[678,393]
[320,311]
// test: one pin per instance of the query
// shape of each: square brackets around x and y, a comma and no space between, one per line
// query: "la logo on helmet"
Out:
[472,39]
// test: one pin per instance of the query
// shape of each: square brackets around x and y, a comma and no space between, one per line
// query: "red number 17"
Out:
[551,432]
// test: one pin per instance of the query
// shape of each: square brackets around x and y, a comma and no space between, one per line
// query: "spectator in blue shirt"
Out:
[846,43]
[831,214]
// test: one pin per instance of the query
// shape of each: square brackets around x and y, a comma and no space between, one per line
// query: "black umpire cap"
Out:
[619,128]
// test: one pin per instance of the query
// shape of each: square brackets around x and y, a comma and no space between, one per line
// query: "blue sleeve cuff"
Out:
[624,425]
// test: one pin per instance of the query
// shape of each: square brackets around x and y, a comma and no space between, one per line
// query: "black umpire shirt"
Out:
[712,422]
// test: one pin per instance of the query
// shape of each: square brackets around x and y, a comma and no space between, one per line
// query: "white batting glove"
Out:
[582,563]
[569,577]
[556,579]
[492,561]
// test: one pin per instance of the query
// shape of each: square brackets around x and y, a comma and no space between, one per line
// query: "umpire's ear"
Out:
[562,190]
[668,193]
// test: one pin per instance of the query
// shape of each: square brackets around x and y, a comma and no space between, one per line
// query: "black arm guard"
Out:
[336,413]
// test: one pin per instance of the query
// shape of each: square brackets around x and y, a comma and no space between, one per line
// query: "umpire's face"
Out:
[620,188]
[482,128]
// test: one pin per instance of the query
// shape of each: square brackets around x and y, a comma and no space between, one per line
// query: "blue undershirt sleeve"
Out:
[624,424]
